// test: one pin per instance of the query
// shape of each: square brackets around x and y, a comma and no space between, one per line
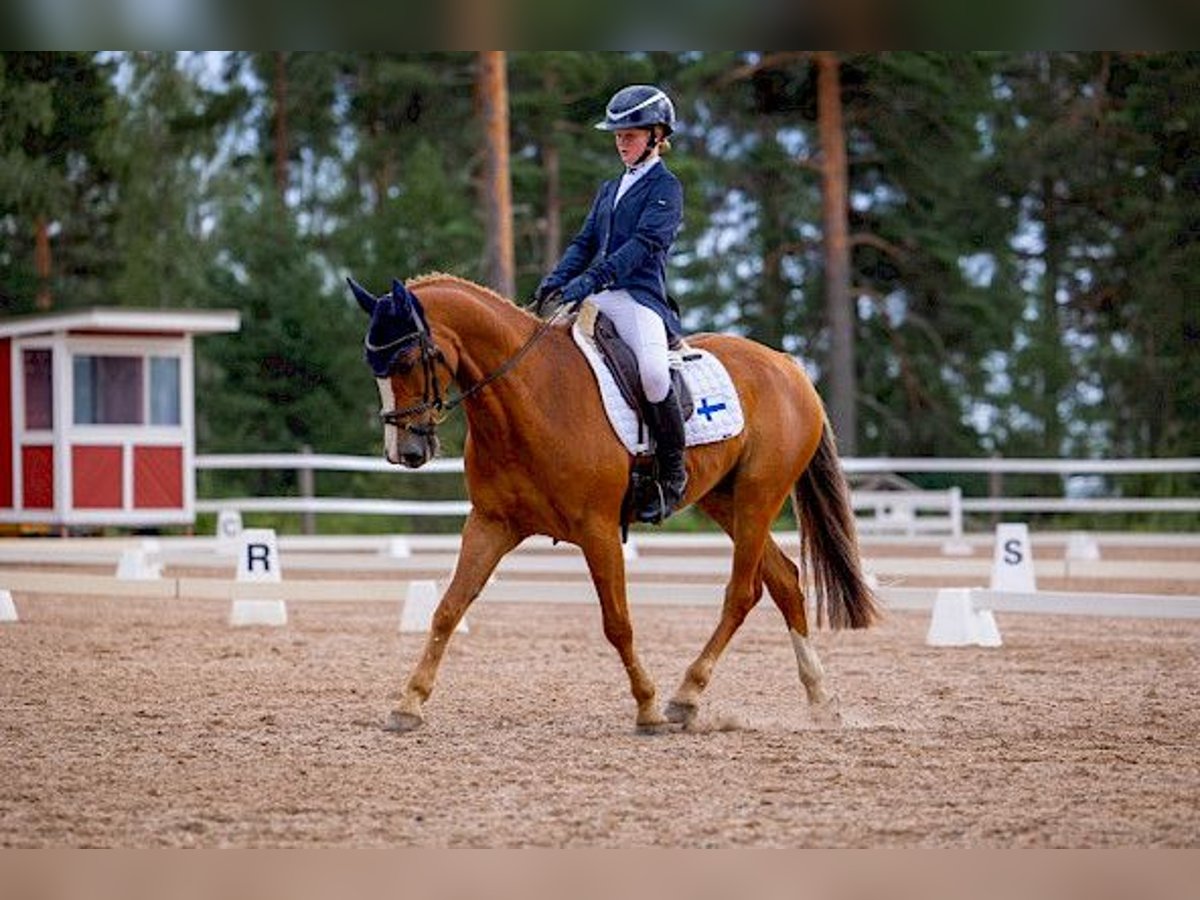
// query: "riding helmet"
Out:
[639,106]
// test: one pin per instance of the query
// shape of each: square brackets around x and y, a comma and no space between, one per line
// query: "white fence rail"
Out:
[902,512]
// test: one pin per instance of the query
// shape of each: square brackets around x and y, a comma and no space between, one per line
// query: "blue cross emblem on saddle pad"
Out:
[707,409]
[718,414]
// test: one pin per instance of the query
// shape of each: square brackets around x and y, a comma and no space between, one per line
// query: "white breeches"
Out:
[643,330]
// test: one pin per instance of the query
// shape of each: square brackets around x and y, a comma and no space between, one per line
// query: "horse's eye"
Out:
[404,362]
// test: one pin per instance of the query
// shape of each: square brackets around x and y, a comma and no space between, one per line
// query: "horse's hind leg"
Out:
[607,566]
[484,542]
[750,533]
[782,579]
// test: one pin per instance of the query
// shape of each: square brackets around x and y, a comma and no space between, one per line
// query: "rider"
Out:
[619,260]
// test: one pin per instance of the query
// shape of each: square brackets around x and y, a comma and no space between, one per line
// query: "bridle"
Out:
[432,398]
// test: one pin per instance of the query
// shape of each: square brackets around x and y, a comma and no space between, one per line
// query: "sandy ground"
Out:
[152,723]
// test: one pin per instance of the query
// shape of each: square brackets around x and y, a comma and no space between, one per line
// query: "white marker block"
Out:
[135,565]
[416,614]
[629,550]
[1082,546]
[1012,561]
[258,556]
[956,623]
[399,548]
[229,530]
[957,547]
[258,612]
[8,609]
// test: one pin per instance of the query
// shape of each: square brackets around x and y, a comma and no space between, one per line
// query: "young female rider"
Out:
[619,260]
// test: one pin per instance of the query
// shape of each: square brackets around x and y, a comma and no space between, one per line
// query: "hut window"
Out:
[39,390]
[164,390]
[108,390]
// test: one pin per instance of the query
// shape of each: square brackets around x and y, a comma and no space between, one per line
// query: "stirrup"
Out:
[658,509]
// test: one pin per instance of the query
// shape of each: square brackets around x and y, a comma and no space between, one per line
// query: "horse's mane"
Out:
[445,278]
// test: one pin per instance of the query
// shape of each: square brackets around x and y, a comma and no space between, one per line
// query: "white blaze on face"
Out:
[391,434]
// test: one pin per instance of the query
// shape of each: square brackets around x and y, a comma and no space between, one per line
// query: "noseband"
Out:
[432,399]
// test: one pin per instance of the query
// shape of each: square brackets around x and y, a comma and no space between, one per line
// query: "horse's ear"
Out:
[364,297]
[406,299]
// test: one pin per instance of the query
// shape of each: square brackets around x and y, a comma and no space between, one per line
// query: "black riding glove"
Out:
[579,289]
[545,294]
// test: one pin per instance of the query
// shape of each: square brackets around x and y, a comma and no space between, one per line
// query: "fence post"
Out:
[308,519]
[995,488]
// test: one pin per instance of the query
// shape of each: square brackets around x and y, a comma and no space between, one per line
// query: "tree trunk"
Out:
[773,227]
[839,303]
[41,262]
[496,188]
[1054,369]
[281,129]
[552,248]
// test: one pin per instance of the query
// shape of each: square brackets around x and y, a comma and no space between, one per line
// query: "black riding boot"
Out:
[666,424]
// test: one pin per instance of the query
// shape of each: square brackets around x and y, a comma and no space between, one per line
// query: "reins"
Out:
[431,393]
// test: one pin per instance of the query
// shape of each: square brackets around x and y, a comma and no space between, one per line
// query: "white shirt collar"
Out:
[636,172]
[632,176]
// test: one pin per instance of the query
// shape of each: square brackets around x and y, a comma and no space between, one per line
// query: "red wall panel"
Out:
[6,425]
[37,477]
[158,477]
[96,477]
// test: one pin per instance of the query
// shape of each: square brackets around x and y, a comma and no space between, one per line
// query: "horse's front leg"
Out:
[607,566]
[484,542]
[750,532]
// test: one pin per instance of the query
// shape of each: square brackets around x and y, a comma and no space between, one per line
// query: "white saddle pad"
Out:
[718,414]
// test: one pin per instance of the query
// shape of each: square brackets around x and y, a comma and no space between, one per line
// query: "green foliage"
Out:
[1023,225]
[53,113]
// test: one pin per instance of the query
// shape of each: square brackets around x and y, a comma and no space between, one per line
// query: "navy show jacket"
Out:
[626,248]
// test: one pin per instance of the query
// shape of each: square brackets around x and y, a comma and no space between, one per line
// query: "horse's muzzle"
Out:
[412,450]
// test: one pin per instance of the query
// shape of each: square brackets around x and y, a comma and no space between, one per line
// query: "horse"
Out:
[541,459]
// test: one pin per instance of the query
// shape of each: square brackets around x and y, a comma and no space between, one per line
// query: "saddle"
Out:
[707,397]
[620,361]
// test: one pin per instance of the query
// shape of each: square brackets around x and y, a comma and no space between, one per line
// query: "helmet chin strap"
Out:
[650,145]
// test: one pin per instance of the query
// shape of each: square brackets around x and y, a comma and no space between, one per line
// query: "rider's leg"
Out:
[644,332]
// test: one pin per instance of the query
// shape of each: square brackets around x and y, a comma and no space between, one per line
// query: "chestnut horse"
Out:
[542,459]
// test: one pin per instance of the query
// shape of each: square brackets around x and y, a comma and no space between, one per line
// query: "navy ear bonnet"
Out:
[397,322]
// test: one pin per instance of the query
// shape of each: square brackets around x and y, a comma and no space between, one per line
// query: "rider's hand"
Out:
[546,294]
[578,289]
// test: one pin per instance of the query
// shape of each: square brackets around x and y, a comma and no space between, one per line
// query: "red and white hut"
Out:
[97,424]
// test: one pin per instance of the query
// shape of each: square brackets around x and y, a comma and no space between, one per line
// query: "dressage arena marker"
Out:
[135,563]
[8,609]
[229,531]
[956,622]
[258,563]
[1012,560]
[1082,546]
[399,548]
[416,615]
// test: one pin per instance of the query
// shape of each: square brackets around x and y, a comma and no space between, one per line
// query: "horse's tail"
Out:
[829,542]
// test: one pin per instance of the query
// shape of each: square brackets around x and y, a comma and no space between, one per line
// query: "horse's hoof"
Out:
[656,726]
[403,721]
[681,713]
[827,714]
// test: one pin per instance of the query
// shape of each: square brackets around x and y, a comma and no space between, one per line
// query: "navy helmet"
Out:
[639,106]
